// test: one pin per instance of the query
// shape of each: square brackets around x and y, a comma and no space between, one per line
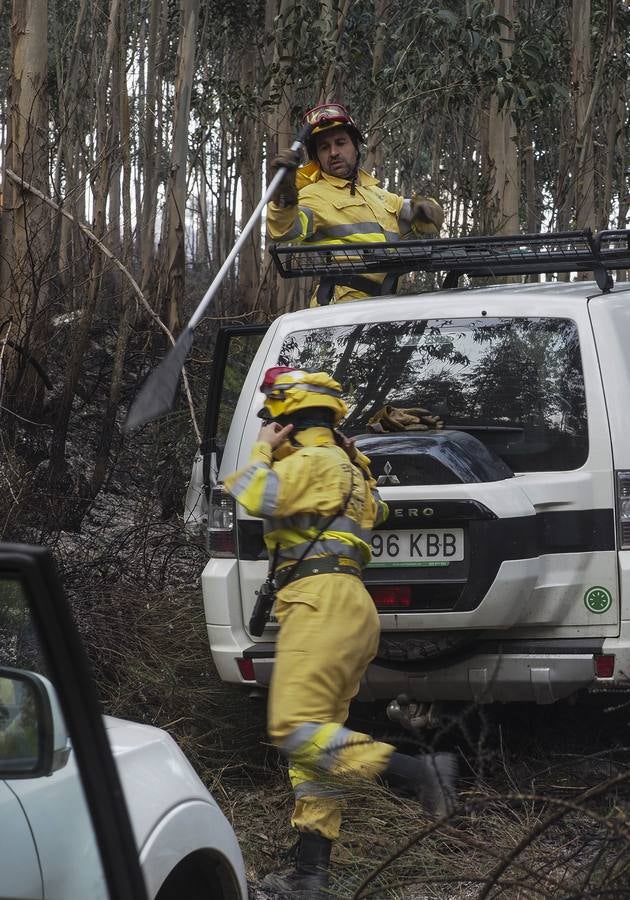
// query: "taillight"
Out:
[604,665]
[391,596]
[623,509]
[221,523]
[246,668]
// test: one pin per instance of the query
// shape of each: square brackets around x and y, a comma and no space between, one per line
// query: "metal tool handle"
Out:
[271,189]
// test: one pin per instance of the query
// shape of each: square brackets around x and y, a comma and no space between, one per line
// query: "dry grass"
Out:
[544,797]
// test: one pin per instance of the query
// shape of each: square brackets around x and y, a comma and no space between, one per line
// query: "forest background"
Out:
[136,137]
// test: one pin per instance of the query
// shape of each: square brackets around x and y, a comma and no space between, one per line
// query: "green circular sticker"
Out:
[598,599]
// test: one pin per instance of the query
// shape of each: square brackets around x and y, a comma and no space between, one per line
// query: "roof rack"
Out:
[525,254]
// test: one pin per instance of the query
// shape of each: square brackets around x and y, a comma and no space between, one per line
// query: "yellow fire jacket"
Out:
[328,213]
[298,494]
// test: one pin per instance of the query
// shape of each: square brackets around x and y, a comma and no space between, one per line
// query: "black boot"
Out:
[309,879]
[431,778]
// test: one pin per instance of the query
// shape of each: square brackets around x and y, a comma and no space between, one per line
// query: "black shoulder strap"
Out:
[274,562]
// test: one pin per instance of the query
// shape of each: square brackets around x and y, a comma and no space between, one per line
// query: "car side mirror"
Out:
[33,737]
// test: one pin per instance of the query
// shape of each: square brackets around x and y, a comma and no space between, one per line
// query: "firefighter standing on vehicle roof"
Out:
[331,200]
[319,501]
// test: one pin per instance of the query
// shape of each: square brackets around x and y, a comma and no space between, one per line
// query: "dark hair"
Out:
[313,417]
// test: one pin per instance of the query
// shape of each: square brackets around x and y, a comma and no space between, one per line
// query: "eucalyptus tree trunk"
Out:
[608,158]
[615,138]
[250,156]
[481,220]
[282,295]
[26,222]
[224,226]
[202,187]
[532,216]
[374,156]
[172,276]
[113,203]
[623,191]
[581,83]
[502,160]
[100,189]
[564,187]
[127,305]
[622,176]
[333,16]
[148,148]
[454,177]
[70,118]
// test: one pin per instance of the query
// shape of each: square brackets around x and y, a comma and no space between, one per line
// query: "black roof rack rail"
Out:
[518,254]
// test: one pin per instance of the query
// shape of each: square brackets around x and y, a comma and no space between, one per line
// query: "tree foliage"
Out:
[431,83]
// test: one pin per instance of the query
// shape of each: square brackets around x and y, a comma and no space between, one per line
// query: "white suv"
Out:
[503,570]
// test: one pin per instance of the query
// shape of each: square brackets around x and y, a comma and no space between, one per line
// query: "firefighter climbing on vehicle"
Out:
[317,496]
[331,200]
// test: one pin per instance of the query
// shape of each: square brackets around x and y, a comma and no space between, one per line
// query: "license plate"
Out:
[437,547]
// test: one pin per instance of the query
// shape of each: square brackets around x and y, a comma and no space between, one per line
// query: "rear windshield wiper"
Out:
[497,429]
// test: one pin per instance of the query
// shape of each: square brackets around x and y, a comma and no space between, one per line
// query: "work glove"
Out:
[392,418]
[286,193]
[427,215]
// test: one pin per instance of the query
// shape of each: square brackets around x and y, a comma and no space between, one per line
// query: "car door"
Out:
[235,348]
[68,855]
[20,876]
[62,809]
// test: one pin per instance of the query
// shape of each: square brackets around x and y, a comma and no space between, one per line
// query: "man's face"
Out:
[336,153]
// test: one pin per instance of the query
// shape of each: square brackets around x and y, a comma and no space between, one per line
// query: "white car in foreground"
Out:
[90,812]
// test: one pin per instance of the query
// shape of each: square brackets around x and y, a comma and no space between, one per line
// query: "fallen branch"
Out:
[122,268]
[541,827]
[504,860]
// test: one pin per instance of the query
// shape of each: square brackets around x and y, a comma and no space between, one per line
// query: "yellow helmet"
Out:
[288,390]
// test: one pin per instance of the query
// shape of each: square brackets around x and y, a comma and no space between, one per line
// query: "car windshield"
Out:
[515,383]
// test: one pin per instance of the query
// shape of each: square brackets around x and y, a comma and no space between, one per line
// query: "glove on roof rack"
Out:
[524,254]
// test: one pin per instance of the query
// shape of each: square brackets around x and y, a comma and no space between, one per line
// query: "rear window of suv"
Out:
[516,384]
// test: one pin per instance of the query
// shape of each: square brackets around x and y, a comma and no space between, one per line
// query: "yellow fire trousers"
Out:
[329,632]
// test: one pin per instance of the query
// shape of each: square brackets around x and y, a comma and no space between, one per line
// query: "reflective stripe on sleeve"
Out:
[306,220]
[301,228]
[294,233]
[270,494]
[382,509]
[244,481]
[257,489]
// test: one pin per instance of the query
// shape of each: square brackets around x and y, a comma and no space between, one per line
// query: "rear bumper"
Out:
[480,678]
[487,678]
